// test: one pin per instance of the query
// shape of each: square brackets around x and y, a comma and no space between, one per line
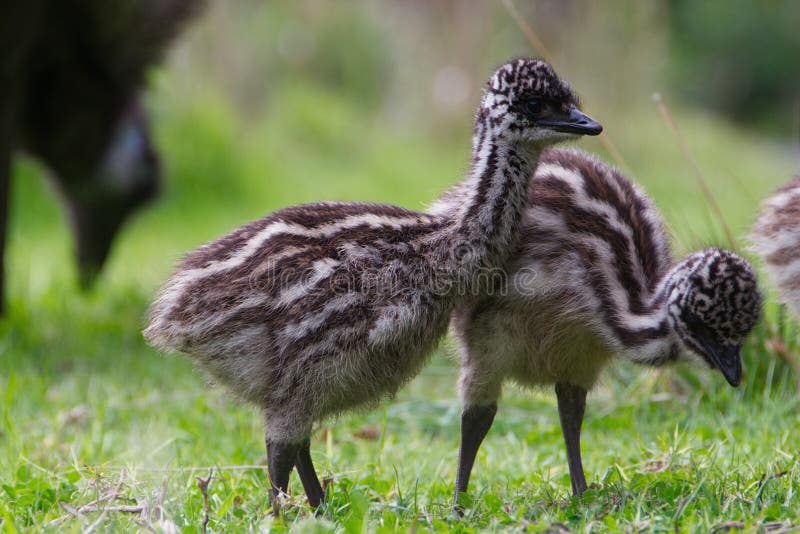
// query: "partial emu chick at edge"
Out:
[593,279]
[322,308]
[776,238]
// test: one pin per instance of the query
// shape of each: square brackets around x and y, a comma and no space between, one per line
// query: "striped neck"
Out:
[655,340]
[493,198]
[649,338]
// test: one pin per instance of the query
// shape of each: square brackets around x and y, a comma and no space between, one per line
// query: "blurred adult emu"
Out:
[70,77]
[323,308]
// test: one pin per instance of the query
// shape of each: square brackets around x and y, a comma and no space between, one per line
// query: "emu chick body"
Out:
[310,311]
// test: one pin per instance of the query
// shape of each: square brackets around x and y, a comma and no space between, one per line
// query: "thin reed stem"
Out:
[538,45]
[698,174]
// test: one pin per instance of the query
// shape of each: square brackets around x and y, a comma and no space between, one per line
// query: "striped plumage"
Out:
[593,279]
[321,308]
[776,238]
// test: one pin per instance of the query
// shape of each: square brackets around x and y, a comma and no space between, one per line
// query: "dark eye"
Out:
[534,107]
[698,328]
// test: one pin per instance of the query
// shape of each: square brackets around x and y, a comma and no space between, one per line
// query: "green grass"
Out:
[89,411]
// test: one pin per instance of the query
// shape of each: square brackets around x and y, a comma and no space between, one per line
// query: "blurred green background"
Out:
[267,104]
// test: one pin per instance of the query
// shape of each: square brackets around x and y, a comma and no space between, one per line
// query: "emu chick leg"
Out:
[571,407]
[475,424]
[280,461]
[308,475]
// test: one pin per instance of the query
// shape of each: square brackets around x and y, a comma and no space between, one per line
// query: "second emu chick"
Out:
[327,307]
[593,279]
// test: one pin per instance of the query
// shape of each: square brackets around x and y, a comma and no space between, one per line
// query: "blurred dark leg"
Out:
[5,189]
[280,461]
[308,475]
[571,407]
[475,424]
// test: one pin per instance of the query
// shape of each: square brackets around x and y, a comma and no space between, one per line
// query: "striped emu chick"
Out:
[323,308]
[776,238]
[593,279]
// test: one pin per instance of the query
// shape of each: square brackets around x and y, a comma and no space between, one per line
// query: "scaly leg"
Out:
[280,461]
[475,423]
[308,475]
[571,407]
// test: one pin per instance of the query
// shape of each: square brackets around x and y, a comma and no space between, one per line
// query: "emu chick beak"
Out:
[576,122]
[727,359]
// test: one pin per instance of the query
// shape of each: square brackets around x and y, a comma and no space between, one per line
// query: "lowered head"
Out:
[714,303]
[106,167]
[526,102]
